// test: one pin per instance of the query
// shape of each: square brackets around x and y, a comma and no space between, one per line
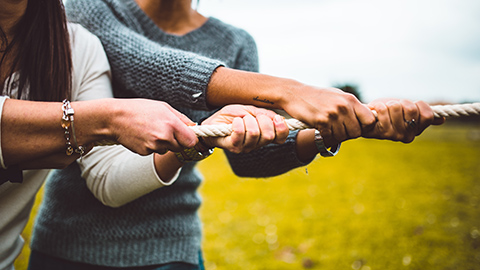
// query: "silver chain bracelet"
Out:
[67,122]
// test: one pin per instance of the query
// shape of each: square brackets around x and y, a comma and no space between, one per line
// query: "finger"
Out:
[353,127]
[383,126]
[339,130]
[281,129]
[410,115]
[438,121]
[184,136]
[366,117]
[426,116]
[162,151]
[267,130]
[397,119]
[170,142]
[237,137]
[252,133]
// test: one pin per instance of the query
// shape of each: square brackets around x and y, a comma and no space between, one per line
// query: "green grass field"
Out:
[376,205]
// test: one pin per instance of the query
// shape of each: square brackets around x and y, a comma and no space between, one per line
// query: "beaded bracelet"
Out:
[67,122]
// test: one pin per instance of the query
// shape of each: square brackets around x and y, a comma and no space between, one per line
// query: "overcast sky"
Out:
[417,49]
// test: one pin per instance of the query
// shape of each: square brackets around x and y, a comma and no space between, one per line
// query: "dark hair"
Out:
[43,54]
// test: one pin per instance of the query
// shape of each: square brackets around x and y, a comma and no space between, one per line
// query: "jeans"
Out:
[40,261]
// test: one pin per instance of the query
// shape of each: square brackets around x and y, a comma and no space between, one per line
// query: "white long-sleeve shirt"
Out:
[91,79]
[114,174]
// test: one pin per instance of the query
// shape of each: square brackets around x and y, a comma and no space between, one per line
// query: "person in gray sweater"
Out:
[165,50]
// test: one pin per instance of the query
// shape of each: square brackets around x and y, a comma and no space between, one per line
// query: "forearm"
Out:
[231,86]
[117,176]
[28,135]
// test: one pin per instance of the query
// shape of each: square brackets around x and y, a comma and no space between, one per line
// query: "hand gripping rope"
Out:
[447,111]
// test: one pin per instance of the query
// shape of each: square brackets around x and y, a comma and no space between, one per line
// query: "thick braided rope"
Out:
[457,110]
[447,111]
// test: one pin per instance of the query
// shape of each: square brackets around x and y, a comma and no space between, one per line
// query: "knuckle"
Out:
[381,109]
[236,144]
[410,110]
[333,115]
[254,134]
[351,98]
[270,136]
[394,104]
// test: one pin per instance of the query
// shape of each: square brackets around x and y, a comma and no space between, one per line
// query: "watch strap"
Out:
[322,149]
[193,154]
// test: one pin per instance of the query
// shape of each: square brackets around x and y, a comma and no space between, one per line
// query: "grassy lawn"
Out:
[376,205]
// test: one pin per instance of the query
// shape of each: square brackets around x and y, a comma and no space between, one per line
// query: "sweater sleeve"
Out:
[272,159]
[140,66]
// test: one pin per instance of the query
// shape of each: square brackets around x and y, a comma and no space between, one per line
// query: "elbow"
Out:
[101,190]
[110,201]
[107,200]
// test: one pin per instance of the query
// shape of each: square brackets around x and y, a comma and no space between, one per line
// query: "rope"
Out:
[447,111]
[457,110]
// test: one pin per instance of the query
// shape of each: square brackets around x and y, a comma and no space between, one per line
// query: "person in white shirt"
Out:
[75,66]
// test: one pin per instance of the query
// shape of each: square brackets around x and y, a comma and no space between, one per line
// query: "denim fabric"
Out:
[40,261]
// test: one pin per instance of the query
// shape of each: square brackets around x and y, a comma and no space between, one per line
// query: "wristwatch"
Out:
[324,152]
[200,152]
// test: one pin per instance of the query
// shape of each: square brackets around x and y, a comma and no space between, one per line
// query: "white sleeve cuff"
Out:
[2,101]
[164,183]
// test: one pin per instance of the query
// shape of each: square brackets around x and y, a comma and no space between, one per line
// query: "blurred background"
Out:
[377,204]
[420,50]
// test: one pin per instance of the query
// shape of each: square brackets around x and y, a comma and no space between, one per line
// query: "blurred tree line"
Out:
[350,88]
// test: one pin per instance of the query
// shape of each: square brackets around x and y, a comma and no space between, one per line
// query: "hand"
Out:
[252,128]
[401,120]
[338,115]
[146,126]
[333,112]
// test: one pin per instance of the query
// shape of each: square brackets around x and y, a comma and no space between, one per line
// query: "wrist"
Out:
[288,93]
[93,124]
[108,120]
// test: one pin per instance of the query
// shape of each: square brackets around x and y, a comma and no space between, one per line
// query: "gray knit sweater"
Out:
[162,226]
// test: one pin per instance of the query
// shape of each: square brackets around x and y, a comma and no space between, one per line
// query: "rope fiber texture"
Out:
[447,111]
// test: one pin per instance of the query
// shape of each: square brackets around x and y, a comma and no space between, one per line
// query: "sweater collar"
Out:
[153,32]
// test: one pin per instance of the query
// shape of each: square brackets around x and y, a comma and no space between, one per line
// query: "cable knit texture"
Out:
[162,226]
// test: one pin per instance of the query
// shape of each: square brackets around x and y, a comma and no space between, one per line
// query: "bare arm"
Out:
[117,176]
[330,110]
[143,126]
